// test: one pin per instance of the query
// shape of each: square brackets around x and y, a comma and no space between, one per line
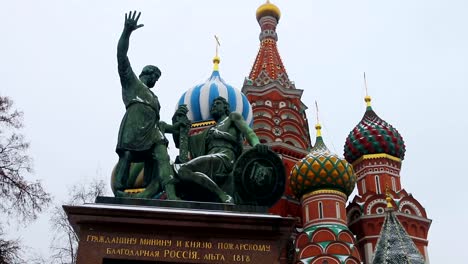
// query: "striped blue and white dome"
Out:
[199,98]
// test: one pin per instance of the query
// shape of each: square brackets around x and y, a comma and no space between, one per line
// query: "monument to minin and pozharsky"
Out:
[209,206]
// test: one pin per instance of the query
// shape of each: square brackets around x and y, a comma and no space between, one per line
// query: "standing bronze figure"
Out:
[141,137]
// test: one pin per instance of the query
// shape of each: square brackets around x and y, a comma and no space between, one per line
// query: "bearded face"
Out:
[218,109]
[150,75]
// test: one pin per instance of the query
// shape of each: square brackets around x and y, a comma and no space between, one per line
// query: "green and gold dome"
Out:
[321,169]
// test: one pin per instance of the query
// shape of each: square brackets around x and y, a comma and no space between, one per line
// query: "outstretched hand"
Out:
[131,21]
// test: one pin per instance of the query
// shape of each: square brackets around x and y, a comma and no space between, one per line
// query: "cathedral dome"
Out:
[321,169]
[199,98]
[373,136]
[268,9]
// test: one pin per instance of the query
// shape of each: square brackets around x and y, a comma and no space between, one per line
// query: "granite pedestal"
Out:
[138,231]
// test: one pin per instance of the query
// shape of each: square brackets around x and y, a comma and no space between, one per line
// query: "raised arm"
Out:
[131,24]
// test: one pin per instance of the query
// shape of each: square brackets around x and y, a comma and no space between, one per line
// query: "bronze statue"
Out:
[141,137]
[218,163]
[221,145]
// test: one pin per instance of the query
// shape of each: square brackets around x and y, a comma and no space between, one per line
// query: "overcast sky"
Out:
[58,63]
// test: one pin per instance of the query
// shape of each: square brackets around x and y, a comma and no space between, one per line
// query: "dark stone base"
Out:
[183,204]
[139,231]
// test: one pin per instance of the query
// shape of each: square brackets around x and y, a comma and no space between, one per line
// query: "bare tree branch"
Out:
[64,244]
[19,197]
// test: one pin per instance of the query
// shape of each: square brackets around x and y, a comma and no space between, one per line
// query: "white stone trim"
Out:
[373,203]
[426,255]
[412,205]
[368,251]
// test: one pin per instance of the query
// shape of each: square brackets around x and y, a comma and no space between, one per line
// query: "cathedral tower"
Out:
[279,114]
[324,181]
[376,150]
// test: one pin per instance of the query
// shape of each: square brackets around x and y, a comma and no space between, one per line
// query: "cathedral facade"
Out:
[319,182]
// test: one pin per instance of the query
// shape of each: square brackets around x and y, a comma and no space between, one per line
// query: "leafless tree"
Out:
[65,241]
[10,250]
[20,198]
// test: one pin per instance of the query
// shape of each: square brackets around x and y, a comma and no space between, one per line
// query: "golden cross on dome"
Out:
[367,99]
[218,44]
[216,59]
[365,84]
[317,111]
[318,127]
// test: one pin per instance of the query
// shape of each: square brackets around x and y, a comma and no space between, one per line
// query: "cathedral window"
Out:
[320,210]
[377,184]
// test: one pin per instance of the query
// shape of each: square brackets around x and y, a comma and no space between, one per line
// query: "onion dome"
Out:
[373,136]
[199,98]
[321,169]
[268,9]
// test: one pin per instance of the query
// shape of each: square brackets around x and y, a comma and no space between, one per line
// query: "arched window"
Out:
[338,211]
[377,184]
[364,186]
[393,184]
[320,207]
